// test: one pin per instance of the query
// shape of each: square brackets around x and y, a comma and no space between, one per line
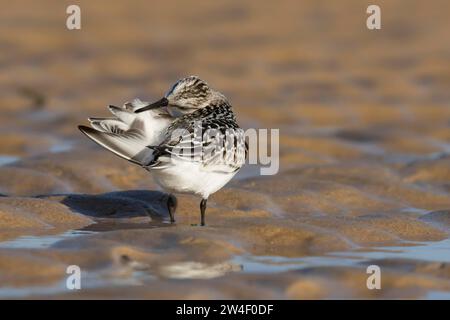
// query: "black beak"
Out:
[155,105]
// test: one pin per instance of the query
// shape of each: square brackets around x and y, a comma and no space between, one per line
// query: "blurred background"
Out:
[364,119]
[282,63]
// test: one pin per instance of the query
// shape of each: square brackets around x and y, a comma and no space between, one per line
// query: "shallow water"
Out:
[246,264]
[438,295]
[41,242]
[4,160]
[63,146]
[438,251]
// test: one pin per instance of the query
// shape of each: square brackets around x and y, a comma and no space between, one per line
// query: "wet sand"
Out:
[364,123]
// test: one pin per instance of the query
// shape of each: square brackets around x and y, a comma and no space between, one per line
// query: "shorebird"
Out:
[189,139]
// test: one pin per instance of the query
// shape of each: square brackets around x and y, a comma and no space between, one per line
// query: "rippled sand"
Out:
[364,123]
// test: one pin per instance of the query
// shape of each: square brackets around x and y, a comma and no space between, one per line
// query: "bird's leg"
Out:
[172,207]
[202,211]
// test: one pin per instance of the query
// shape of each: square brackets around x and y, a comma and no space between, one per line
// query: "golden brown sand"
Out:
[364,123]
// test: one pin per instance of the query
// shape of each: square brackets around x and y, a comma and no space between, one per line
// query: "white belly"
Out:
[188,177]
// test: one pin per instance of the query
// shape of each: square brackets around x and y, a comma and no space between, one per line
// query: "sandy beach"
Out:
[364,176]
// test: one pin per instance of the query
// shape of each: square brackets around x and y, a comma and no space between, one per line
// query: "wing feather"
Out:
[209,136]
[130,145]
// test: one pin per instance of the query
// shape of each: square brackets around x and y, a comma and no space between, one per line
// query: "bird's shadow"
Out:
[120,209]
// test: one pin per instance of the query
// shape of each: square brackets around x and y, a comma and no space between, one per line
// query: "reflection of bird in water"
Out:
[189,139]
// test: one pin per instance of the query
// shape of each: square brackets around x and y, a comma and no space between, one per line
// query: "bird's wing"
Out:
[123,120]
[209,136]
[130,145]
[112,125]
[124,134]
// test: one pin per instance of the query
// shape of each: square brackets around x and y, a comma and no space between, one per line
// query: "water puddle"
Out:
[22,292]
[275,264]
[41,242]
[438,295]
[130,275]
[63,146]
[60,147]
[424,251]
[89,280]
[4,159]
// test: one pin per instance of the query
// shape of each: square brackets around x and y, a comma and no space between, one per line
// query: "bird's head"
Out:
[186,96]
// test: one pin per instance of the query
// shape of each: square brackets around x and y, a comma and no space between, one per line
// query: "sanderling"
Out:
[189,139]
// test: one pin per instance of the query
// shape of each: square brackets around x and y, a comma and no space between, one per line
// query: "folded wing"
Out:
[209,136]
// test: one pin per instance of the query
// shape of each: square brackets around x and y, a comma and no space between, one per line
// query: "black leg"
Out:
[202,211]
[172,207]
